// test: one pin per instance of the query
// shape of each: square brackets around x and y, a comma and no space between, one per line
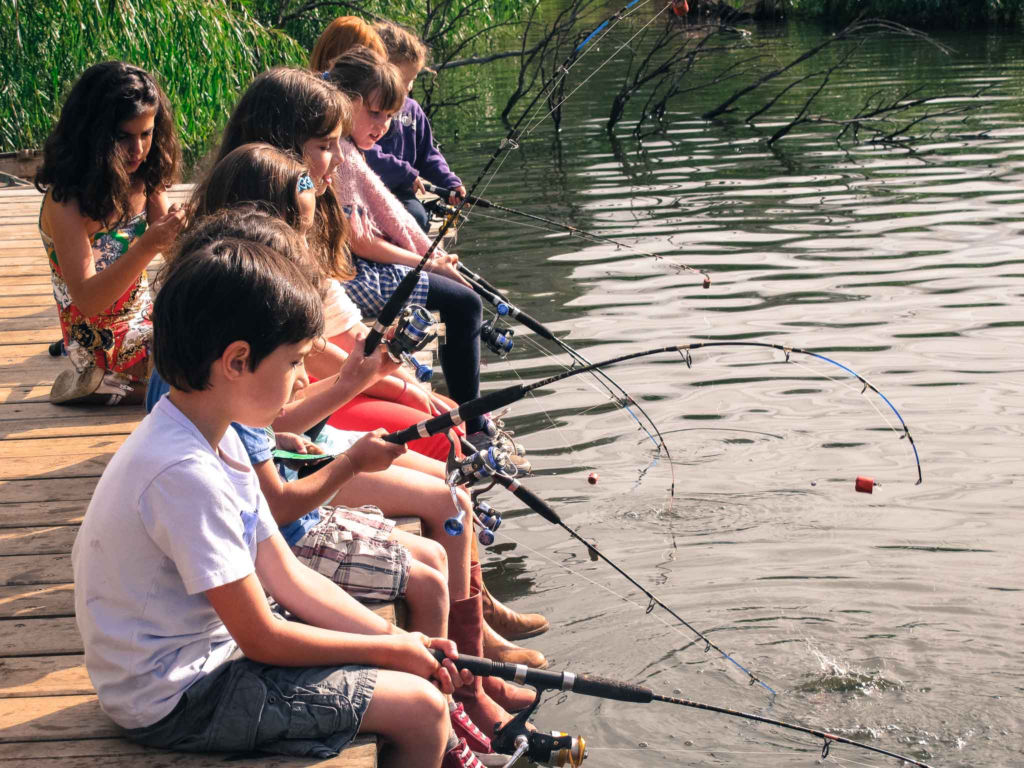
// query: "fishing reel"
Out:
[556,748]
[473,469]
[415,329]
[489,520]
[498,338]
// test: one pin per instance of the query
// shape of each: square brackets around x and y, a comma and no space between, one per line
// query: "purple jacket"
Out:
[407,150]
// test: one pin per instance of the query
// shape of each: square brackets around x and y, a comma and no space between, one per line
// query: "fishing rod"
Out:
[396,302]
[575,231]
[493,465]
[505,308]
[515,739]
[507,396]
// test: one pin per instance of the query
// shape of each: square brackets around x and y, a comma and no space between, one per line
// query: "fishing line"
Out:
[531,126]
[691,642]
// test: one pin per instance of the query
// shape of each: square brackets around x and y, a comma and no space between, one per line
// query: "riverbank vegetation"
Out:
[204,52]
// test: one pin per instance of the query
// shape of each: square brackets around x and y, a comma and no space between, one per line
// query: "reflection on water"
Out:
[895,617]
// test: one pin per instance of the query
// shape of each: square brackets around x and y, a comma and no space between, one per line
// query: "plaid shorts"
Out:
[352,548]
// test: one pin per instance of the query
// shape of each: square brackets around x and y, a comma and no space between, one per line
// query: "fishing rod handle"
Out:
[492,401]
[587,685]
[529,498]
[445,193]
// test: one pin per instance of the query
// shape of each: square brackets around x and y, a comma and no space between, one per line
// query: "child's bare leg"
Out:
[426,551]
[402,491]
[426,597]
[412,716]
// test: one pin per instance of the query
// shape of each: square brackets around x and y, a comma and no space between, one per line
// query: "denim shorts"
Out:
[243,706]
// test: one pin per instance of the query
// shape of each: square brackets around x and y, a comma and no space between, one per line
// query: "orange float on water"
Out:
[865,484]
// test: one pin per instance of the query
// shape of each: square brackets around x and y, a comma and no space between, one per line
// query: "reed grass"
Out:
[202,52]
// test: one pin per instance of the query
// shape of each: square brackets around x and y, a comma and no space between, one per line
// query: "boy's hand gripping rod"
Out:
[603,688]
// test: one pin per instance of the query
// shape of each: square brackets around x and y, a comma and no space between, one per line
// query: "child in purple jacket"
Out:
[407,151]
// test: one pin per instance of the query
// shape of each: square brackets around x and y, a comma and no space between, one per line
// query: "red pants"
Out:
[365,414]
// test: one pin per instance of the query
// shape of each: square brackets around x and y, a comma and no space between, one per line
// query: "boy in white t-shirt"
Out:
[178,550]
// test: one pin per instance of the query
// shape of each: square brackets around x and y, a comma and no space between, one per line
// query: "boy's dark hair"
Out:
[219,290]
[268,176]
[285,107]
[81,158]
[253,221]
[403,45]
[365,74]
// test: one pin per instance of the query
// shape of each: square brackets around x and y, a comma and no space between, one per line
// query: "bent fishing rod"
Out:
[505,308]
[502,398]
[391,309]
[514,735]
[476,466]
[480,202]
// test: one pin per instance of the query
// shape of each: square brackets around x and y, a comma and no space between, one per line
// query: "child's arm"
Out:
[326,396]
[338,630]
[92,291]
[393,170]
[429,161]
[290,501]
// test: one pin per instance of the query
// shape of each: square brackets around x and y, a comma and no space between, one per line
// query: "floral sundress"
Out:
[120,337]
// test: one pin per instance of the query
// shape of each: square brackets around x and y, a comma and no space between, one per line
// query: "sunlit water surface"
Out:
[895,617]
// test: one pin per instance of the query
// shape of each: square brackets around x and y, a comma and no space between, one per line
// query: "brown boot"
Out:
[508,623]
[497,648]
[466,627]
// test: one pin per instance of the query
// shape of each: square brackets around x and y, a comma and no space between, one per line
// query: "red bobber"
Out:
[680,7]
[865,485]
[592,478]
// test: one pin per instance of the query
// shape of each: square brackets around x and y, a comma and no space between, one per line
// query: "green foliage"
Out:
[202,52]
[917,13]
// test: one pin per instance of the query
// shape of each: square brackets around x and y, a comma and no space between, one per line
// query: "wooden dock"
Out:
[50,460]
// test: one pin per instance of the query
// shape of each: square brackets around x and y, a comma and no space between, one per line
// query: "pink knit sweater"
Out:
[371,208]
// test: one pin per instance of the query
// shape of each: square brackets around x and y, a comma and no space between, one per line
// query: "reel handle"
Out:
[454,526]
[423,371]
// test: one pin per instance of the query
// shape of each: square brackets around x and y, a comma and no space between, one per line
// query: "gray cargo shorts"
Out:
[243,706]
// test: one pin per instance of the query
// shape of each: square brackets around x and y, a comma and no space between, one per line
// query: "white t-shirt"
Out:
[340,312]
[169,520]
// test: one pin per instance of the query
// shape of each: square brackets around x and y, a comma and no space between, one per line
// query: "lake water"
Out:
[895,617]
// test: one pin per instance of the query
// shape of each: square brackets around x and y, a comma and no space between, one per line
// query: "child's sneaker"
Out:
[466,729]
[461,756]
[97,386]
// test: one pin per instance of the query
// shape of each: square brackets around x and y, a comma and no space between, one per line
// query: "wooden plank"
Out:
[100,753]
[28,301]
[97,425]
[39,412]
[35,569]
[46,513]
[58,492]
[28,393]
[37,602]
[10,449]
[56,540]
[52,718]
[44,676]
[39,637]
[52,467]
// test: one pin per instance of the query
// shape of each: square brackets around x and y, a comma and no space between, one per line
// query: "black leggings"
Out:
[462,312]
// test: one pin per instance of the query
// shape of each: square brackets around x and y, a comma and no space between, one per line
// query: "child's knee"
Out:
[435,556]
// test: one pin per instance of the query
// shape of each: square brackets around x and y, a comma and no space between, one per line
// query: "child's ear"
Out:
[235,360]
